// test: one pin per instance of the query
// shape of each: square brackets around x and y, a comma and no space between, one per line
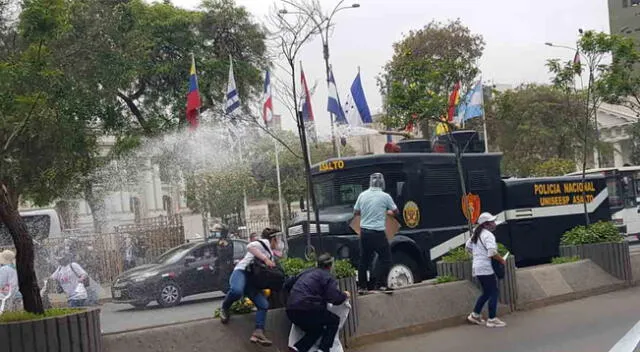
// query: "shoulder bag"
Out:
[262,276]
[498,268]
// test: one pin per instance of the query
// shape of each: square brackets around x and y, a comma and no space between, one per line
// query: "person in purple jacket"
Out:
[309,293]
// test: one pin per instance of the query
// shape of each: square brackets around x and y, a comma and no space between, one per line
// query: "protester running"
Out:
[483,246]
[373,206]
[240,286]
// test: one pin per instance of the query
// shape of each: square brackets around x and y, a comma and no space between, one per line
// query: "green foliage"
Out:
[344,269]
[539,128]
[455,255]
[294,266]
[445,279]
[424,68]
[9,317]
[600,232]
[564,260]
[502,249]
[554,167]
[241,306]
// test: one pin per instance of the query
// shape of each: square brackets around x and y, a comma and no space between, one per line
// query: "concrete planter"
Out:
[508,286]
[614,258]
[78,332]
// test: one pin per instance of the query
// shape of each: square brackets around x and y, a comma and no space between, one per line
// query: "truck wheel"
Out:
[404,271]
[169,295]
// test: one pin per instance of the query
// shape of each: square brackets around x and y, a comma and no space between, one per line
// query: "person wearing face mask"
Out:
[240,286]
[72,278]
[483,246]
[9,280]
[373,206]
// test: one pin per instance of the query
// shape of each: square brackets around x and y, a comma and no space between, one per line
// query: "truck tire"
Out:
[404,271]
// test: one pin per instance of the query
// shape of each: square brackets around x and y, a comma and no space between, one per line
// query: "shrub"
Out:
[599,232]
[563,260]
[344,269]
[8,317]
[294,266]
[445,278]
[456,255]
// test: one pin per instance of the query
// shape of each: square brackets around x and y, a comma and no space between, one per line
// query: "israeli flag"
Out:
[233,100]
[333,104]
[356,109]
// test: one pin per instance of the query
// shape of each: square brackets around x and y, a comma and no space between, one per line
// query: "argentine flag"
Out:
[356,109]
[473,104]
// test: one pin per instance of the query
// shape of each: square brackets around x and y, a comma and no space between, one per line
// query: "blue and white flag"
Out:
[233,99]
[333,105]
[472,106]
[356,109]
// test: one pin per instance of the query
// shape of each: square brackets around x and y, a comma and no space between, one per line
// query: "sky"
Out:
[514,31]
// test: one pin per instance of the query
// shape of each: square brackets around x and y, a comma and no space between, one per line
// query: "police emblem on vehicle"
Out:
[471,207]
[411,214]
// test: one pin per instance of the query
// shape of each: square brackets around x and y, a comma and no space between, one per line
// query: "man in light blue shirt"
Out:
[373,206]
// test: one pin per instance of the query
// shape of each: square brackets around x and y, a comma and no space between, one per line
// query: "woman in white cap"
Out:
[9,280]
[483,246]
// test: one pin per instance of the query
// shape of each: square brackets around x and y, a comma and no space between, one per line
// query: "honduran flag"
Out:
[193,97]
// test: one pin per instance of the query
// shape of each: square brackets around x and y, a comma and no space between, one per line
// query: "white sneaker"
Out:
[496,323]
[474,318]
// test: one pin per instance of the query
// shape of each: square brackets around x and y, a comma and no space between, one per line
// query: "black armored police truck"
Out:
[424,183]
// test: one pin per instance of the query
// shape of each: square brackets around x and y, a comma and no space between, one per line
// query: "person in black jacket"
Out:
[310,292]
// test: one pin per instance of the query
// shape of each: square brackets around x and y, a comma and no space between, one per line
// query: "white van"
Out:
[41,224]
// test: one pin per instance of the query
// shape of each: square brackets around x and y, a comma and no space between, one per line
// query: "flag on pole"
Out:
[472,104]
[267,106]
[233,100]
[193,97]
[307,111]
[333,104]
[357,109]
[453,101]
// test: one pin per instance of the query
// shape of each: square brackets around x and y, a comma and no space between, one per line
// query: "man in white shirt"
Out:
[70,277]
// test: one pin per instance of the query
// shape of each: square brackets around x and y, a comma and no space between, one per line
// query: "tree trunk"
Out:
[28,282]
[97,208]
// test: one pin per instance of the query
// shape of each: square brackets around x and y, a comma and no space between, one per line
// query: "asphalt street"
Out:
[591,324]
[122,317]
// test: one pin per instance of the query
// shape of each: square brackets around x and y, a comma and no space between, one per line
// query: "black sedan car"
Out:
[189,269]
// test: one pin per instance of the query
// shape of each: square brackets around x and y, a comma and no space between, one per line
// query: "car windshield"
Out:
[337,191]
[174,255]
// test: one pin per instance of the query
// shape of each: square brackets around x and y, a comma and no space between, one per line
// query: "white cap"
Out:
[7,257]
[486,217]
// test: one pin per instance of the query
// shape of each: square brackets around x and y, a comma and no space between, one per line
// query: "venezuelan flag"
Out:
[193,97]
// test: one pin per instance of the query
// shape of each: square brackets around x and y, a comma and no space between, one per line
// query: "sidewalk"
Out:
[60,299]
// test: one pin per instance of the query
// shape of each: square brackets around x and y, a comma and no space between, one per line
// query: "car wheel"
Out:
[403,272]
[140,305]
[169,295]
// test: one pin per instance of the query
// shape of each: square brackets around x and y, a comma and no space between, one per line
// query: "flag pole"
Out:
[282,224]
[484,121]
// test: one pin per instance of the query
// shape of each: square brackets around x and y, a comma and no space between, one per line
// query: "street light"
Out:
[323,25]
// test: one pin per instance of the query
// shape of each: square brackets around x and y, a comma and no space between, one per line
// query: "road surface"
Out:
[591,324]
[122,317]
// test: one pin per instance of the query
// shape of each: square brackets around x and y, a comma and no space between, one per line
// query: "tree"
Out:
[619,82]
[534,123]
[554,167]
[426,65]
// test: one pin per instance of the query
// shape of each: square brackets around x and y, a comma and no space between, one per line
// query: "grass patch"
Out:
[445,278]
[563,260]
[9,317]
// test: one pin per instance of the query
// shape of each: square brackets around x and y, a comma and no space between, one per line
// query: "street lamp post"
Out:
[599,160]
[323,25]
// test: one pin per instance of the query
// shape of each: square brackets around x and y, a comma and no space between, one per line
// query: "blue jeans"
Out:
[77,303]
[489,293]
[239,287]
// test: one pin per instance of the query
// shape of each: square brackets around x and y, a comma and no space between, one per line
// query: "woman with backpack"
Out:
[241,283]
[484,249]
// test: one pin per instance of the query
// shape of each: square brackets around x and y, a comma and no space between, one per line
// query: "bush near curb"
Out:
[564,260]
[294,266]
[600,232]
[460,254]
[446,278]
[10,317]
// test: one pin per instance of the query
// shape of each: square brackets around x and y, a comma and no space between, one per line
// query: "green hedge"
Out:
[445,278]
[460,254]
[8,317]
[563,260]
[600,232]
[294,266]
